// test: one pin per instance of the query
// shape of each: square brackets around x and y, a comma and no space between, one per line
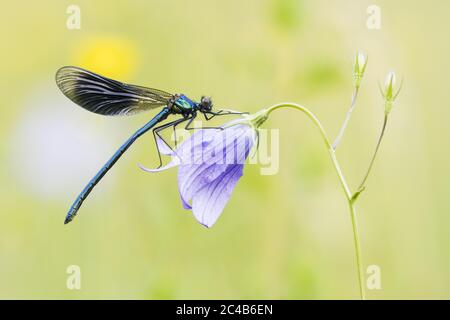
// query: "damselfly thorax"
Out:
[180,104]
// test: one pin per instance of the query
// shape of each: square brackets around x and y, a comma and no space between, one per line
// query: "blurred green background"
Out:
[286,236]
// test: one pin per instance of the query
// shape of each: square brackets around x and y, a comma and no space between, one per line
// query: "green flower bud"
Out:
[359,67]
[389,91]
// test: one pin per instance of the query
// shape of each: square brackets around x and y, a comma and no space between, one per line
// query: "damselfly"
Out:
[105,96]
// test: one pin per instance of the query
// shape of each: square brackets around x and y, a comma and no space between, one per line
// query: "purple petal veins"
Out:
[209,203]
[210,164]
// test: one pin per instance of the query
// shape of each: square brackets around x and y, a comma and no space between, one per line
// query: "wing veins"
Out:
[106,96]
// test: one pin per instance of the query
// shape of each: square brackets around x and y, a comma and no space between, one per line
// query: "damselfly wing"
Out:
[106,96]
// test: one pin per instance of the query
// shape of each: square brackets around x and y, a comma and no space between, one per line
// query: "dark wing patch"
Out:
[105,96]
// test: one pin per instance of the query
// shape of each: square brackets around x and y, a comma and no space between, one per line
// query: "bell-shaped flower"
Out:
[210,161]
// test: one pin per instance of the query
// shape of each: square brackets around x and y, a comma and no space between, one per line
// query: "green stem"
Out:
[356,242]
[342,180]
[361,185]
[330,149]
[347,119]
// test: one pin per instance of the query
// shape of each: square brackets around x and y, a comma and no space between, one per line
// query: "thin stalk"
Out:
[357,249]
[330,149]
[347,119]
[372,161]
[343,183]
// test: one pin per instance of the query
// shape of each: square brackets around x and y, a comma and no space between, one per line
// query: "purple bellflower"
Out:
[210,161]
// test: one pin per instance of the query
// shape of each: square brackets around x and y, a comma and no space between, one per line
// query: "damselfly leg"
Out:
[188,126]
[157,130]
[208,116]
[211,114]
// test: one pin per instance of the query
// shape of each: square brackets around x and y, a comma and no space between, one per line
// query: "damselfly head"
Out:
[205,103]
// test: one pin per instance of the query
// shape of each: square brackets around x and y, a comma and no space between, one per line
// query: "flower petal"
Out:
[197,141]
[192,178]
[173,163]
[211,159]
[209,202]
[163,147]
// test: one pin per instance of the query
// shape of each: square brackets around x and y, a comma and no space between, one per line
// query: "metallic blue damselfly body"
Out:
[105,96]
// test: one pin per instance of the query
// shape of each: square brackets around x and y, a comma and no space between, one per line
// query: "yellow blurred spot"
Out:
[109,56]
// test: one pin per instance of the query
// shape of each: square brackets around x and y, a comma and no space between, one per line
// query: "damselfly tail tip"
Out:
[69,218]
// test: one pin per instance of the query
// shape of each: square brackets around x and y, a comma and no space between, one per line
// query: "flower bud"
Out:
[389,91]
[359,67]
[389,84]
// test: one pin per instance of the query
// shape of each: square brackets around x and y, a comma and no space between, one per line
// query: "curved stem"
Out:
[347,119]
[330,149]
[342,180]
